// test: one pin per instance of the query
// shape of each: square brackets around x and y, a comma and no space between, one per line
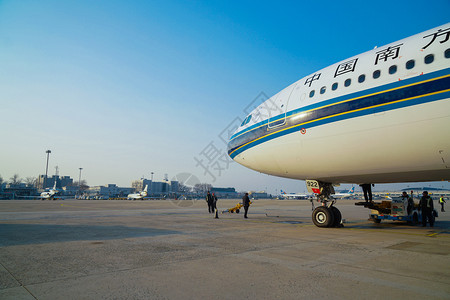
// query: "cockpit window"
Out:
[245,122]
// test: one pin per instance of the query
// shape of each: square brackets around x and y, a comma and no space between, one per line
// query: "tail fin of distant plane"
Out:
[352,190]
[145,189]
[283,192]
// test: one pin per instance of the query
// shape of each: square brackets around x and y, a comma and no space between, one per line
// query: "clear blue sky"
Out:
[125,88]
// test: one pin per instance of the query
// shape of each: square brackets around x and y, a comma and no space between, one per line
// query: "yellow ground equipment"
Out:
[235,209]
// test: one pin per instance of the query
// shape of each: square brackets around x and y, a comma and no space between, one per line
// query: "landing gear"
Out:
[326,215]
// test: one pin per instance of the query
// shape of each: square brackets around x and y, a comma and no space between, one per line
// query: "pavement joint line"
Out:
[18,281]
[386,282]
[441,234]
[163,263]
[145,267]
[353,266]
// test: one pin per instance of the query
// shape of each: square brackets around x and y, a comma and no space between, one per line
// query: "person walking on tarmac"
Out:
[246,203]
[441,202]
[426,206]
[214,202]
[209,200]
[410,201]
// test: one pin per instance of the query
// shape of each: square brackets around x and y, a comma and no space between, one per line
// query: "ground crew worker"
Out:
[367,189]
[246,203]
[214,201]
[426,205]
[209,200]
[410,206]
[442,201]
[214,205]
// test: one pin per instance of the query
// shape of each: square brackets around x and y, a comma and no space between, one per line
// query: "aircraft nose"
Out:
[229,147]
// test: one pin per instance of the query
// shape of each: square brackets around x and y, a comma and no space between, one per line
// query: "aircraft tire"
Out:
[378,221]
[415,219]
[337,216]
[323,217]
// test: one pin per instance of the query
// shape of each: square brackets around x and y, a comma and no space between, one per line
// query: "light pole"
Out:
[79,180]
[152,176]
[46,169]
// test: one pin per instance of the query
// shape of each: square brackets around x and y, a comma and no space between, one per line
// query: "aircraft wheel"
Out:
[322,217]
[237,211]
[415,219]
[378,221]
[337,216]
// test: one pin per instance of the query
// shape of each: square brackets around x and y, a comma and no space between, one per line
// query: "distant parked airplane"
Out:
[350,192]
[287,196]
[138,196]
[50,194]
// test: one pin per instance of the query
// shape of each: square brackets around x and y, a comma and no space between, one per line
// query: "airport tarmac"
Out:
[162,249]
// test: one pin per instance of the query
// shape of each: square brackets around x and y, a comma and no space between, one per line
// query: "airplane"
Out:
[50,194]
[138,196]
[295,196]
[349,193]
[326,128]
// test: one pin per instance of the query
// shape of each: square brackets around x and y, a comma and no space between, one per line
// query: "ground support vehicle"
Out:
[397,209]
[235,209]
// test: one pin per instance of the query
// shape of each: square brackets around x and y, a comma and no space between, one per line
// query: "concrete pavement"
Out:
[102,249]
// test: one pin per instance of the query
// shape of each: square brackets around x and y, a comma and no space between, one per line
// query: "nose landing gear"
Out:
[326,215]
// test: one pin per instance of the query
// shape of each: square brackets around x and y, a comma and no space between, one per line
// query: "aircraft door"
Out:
[277,107]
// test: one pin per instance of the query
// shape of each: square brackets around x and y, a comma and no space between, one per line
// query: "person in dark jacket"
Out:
[246,203]
[410,202]
[216,212]
[367,190]
[427,207]
[209,200]
[214,201]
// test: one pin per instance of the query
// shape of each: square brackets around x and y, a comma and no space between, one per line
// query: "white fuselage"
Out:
[49,195]
[345,124]
[138,196]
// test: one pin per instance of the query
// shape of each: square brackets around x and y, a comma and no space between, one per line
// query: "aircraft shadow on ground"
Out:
[26,234]
[441,226]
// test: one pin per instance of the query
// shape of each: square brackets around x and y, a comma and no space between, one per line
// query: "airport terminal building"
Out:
[44,182]
[156,187]
[109,191]
[229,192]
